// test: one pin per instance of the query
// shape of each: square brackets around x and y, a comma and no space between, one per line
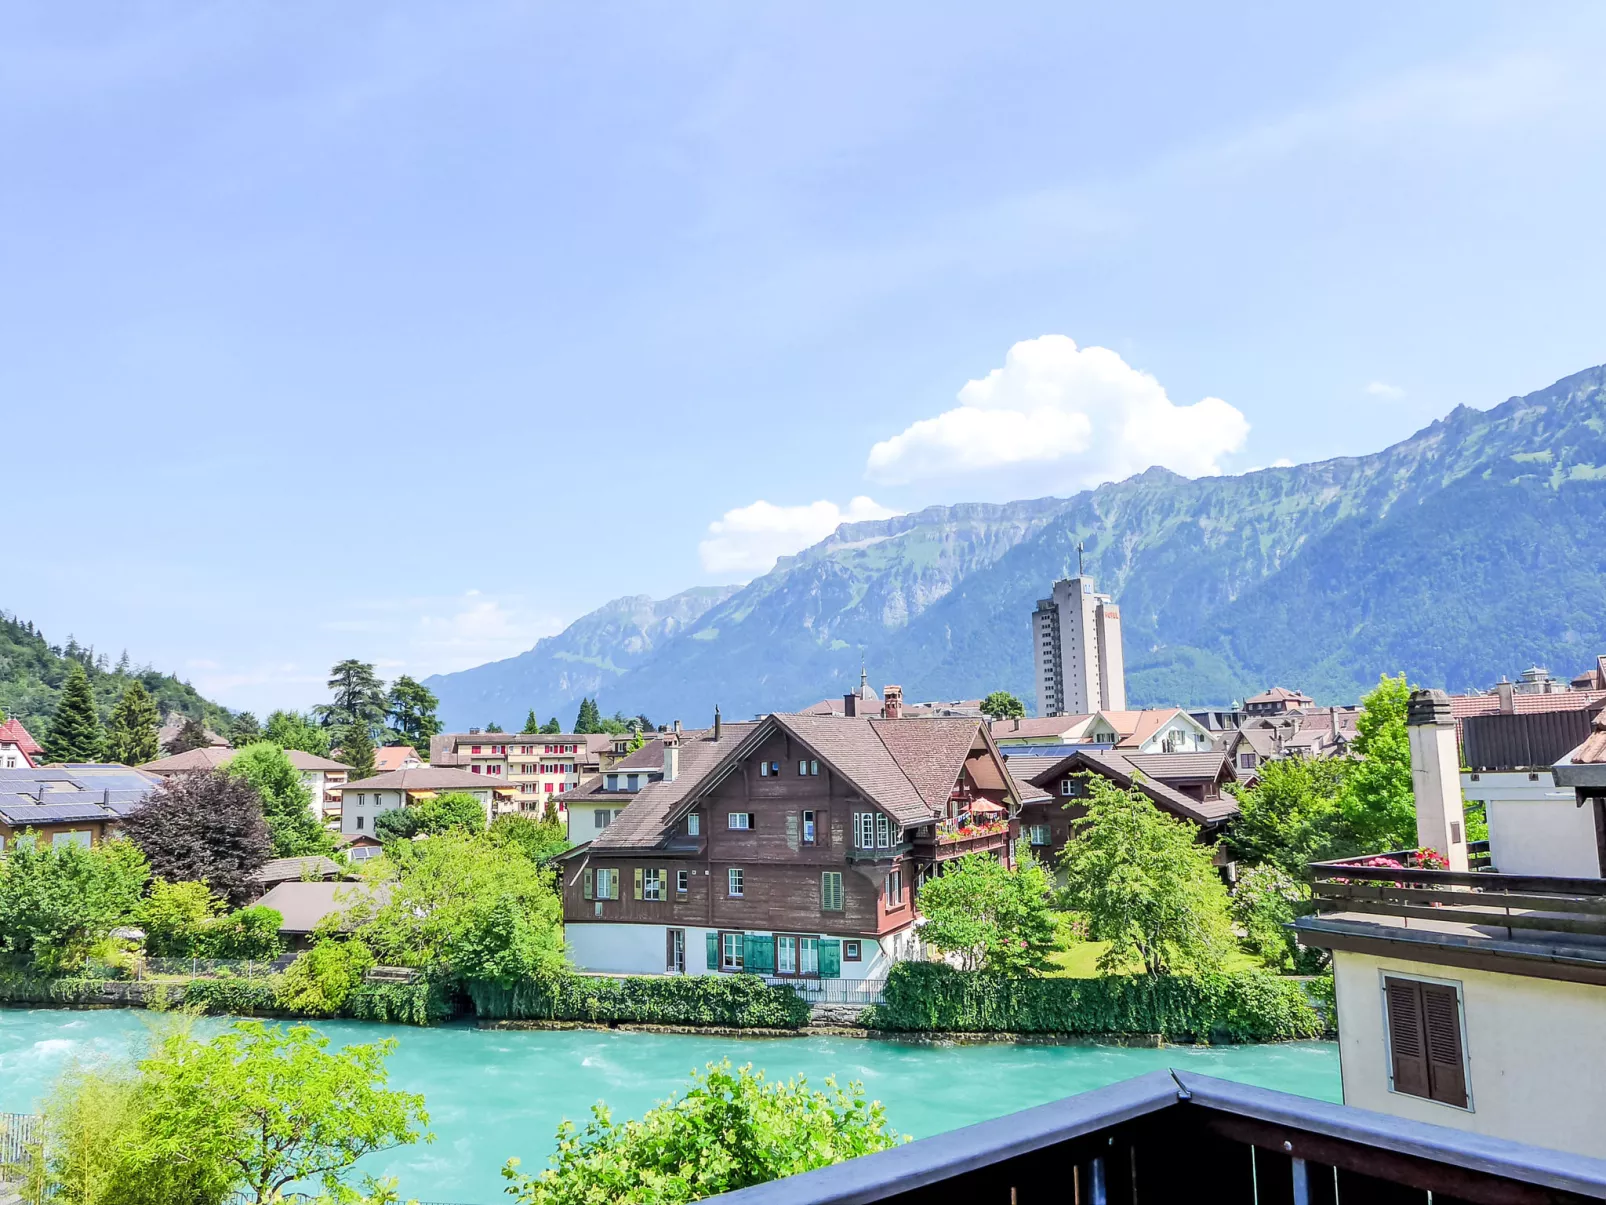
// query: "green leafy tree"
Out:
[1001,705]
[75,733]
[191,735]
[590,718]
[203,827]
[250,933]
[87,1119]
[261,1107]
[551,727]
[292,730]
[245,730]
[57,902]
[1294,815]
[359,698]
[993,918]
[1145,884]
[131,737]
[538,839]
[1378,801]
[531,724]
[286,802]
[467,908]
[453,812]
[1265,901]
[320,981]
[411,706]
[729,1130]
[175,917]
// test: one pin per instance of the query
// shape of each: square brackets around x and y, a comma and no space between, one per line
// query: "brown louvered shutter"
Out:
[1446,1071]
[1407,1043]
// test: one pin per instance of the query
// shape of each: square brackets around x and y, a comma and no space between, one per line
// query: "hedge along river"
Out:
[493,1094]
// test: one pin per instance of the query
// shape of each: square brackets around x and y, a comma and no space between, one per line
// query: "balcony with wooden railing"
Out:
[1404,899]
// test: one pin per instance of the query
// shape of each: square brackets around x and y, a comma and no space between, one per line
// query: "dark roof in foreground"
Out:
[1119,769]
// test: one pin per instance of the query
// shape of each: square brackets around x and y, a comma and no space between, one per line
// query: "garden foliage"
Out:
[737,1001]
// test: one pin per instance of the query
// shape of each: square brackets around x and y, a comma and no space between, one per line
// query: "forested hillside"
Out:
[32,672]
[1472,549]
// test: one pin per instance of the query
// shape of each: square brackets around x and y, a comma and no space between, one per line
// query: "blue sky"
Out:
[412,332]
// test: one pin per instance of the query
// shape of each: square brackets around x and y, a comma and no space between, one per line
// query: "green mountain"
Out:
[32,672]
[1472,549]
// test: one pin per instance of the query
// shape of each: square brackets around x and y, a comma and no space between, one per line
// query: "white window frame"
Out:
[694,824]
[739,821]
[655,885]
[682,882]
[883,831]
[735,883]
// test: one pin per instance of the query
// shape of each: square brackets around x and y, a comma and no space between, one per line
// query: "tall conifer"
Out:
[75,731]
[357,751]
[531,724]
[132,738]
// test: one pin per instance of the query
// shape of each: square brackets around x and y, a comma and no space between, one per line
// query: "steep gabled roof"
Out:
[1179,767]
[1057,725]
[644,824]
[854,750]
[649,757]
[1118,768]
[12,732]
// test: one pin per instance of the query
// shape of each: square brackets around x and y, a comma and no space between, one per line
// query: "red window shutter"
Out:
[1407,1041]
[1446,1071]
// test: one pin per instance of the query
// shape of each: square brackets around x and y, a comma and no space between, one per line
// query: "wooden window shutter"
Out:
[1446,1071]
[1407,1041]
[713,951]
[585,880]
[638,882]
[830,958]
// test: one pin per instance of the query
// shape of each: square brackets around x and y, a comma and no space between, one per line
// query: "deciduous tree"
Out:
[1001,705]
[191,735]
[58,901]
[286,802]
[131,737]
[539,840]
[1145,884]
[75,732]
[730,1129]
[453,812]
[292,730]
[991,917]
[205,826]
[1294,815]
[1378,800]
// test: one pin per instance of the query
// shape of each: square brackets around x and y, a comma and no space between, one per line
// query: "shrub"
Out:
[422,1003]
[319,982]
[174,915]
[1212,1007]
[251,933]
[241,997]
[58,902]
[738,1001]
[731,1129]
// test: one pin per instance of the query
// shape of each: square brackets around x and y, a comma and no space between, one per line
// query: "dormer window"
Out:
[633,782]
[613,782]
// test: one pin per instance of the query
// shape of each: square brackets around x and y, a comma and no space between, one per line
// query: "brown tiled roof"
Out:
[425,778]
[1119,769]
[930,752]
[294,870]
[1026,789]
[1462,706]
[213,757]
[440,750]
[1277,694]
[390,757]
[1593,751]
[855,751]
[649,757]
[1262,740]
[643,824]
[1057,725]
[1173,767]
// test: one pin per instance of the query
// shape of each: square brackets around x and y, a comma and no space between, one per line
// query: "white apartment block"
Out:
[1076,648]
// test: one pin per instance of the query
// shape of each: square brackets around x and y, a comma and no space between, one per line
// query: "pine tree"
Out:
[357,751]
[75,731]
[245,730]
[191,735]
[590,718]
[551,727]
[531,724]
[131,738]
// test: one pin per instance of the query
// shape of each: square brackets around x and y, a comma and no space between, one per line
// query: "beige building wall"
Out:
[1535,1053]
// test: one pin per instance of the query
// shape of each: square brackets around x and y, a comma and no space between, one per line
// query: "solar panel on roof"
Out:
[51,813]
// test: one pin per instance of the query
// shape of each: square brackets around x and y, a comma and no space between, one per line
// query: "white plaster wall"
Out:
[1535,827]
[638,949]
[374,803]
[1535,1051]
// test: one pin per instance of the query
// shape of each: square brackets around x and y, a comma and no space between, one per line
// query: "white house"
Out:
[18,749]
[362,802]
[1157,730]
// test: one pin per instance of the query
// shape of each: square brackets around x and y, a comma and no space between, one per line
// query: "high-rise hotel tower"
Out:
[1076,646]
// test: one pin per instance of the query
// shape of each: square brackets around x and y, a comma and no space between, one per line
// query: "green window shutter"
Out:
[638,882]
[830,958]
[713,951]
[585,880]
[758,954]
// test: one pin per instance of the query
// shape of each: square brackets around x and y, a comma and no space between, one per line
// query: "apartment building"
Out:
[792,846]
[1076,648]
[539,770]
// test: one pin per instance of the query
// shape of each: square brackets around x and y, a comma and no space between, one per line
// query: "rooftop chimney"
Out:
[1441,823]
[1017,725]
[850,705]
[1508,696]
[892,702]
[677,727]
[671,759]
[716,721]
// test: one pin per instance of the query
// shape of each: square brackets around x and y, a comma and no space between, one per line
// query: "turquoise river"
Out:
[496,1094]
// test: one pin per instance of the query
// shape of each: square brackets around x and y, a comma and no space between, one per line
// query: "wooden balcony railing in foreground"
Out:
[1538,903]
[1175,1137]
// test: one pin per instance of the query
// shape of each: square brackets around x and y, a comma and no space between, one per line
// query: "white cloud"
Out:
[1384,390]
[746,541]
[1060,417]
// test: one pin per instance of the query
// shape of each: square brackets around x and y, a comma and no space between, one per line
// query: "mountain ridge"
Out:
[1313,574]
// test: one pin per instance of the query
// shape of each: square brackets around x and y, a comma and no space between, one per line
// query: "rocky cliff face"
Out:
[1469,550]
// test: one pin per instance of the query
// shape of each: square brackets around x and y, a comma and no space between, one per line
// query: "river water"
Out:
[496,1094]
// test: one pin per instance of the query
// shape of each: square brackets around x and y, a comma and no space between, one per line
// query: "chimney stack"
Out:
[1441,823]
[671,758]
[1508,696]
[717,725]
[892,702]
[850,705]
[677,728]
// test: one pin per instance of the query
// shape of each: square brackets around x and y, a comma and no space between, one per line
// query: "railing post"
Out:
[1301,1183]
[1100,1193]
